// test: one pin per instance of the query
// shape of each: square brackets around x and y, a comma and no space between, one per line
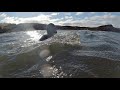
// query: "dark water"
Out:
[69,54]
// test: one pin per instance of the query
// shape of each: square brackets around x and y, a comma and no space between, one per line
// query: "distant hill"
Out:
[7,27]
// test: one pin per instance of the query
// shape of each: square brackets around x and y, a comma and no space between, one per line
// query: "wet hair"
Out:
[51,24]
[51,30]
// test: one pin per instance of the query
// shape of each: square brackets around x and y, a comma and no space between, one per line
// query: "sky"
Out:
[85,19]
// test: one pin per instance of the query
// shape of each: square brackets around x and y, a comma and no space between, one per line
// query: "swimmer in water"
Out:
[51,30]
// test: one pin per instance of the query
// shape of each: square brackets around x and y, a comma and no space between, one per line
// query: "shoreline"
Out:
[4,28]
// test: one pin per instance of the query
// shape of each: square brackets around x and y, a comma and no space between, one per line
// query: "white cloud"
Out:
[54,14]
[106,12]
[40,18]
[94,20]
[3,15]
[68,17]
[92,12]
[101,20]
[66,13]
[79,13]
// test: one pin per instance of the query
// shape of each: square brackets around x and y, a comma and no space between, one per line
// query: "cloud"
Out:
[68,17]
[79,13]
[92,12]
[54,14]
[3,15]
[91,21]
[40,18]
[66,13]
[101,20]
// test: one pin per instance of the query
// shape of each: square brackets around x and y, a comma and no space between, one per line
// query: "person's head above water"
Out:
[51,25]
[51,29]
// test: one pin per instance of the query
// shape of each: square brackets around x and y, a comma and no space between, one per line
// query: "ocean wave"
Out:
[74,54]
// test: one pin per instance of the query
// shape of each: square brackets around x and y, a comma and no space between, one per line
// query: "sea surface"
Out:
[68,54]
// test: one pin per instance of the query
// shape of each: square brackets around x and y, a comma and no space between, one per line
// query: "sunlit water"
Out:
[68,54]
